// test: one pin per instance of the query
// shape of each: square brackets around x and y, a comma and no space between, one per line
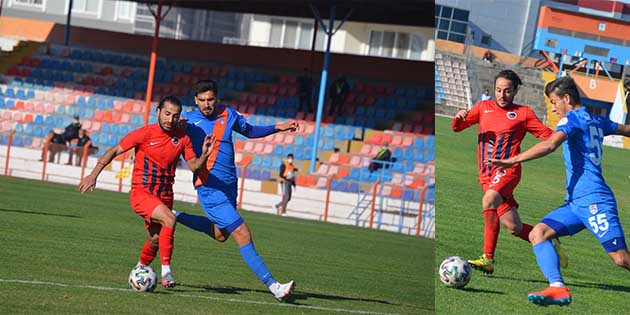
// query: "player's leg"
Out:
[489,203]
[286,196]
[162,214]
[242,236]
[559,222]
[505,182]
[283,191]
[201,224]
[603,222]
[150,248]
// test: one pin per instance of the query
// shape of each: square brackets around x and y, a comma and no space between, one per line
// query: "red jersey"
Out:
[501,131]
[157,154]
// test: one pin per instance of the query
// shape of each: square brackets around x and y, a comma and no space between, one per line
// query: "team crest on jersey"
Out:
[593,208]
[221,121]
[175,141]
[511,115]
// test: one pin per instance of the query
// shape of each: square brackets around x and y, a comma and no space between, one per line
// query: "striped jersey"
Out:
[157,154]
[500,133]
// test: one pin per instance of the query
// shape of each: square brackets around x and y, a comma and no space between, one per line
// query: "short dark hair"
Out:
[510,75]
[290,155]
[203,86]
[564,86]
[170,99]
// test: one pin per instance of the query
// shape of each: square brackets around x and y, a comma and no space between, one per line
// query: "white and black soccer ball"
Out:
[142,279]
[455,272]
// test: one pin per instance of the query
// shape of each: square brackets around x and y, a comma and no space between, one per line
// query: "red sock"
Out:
[491,230]
[525,232]
[166,244]
[148,253]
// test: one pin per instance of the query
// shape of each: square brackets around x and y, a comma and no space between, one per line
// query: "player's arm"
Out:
[282,169]
[534,126]
[623,130]
[539,150]
[465,118]
[89,182]
[252,131]
[196,164]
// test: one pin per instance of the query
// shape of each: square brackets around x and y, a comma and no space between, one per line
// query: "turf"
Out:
[597,285]
[67,253]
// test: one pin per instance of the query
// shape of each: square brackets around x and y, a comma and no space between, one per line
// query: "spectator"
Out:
[338,92]
[305,88]
[488,56]
[385,155]
[485,96]
[77,147]
[287,183]
[61,141]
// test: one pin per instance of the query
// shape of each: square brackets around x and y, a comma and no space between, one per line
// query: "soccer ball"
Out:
[142,279]
[455,272]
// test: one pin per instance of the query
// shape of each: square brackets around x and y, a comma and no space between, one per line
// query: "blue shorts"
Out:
[220,206]
[597,213]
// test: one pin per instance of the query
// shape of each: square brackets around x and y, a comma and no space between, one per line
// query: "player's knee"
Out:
[622,261]
[154,241]
[169,220]
[513,228]
[537,234]
[219,237]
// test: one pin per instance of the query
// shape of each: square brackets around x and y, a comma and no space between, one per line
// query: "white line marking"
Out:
[320,308]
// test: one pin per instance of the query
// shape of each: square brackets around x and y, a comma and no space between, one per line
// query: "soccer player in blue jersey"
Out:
[590,203]
[216,184]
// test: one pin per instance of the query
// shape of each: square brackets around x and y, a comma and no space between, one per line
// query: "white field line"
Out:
[320,308]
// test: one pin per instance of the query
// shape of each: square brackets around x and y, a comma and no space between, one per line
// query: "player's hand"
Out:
[461,114]
[503,163]
[182,124]
[208,144]
[87,183]
[290,125]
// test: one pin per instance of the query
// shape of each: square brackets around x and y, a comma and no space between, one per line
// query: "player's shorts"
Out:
[220,206]
[599,215]
[503,181]
[143,203]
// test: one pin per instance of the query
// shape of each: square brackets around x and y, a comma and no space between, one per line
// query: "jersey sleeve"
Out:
[534,126]
[133,139]
[568,124]
[188,152]
[471,119]
[609,127]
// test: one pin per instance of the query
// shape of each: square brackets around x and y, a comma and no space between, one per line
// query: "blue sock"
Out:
[195,222]
[548,261]
[256,264]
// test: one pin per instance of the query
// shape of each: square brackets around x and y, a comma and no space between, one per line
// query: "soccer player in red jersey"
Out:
[502,127]
[157,150]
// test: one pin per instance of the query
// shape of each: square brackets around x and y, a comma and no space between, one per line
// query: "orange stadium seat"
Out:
[238,145]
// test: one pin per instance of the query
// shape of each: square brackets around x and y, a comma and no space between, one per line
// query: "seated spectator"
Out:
[488,56]
[61,141]
[385,155]
[77,147]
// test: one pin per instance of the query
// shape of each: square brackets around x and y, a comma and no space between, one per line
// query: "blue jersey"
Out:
[220,169]
[582,152]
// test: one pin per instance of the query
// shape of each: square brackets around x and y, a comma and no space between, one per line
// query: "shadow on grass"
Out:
[473,290]
[601,286]
[40,213]
[296,298]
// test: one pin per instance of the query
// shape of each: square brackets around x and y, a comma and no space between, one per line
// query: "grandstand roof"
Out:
[398,12]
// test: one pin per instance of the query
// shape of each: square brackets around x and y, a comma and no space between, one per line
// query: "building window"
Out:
[30,3]
[87,6]
[395,45]
[290,34]
[451,23]
[125,10]
[486,40]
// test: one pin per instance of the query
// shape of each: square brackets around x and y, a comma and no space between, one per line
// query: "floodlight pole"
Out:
[330,31]
[66,37]
[158,20]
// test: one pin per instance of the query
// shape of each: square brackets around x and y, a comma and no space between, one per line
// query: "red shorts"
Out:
[503,181]
[143,203]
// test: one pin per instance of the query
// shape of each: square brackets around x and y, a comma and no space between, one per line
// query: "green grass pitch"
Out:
[597,285]
[67,253]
